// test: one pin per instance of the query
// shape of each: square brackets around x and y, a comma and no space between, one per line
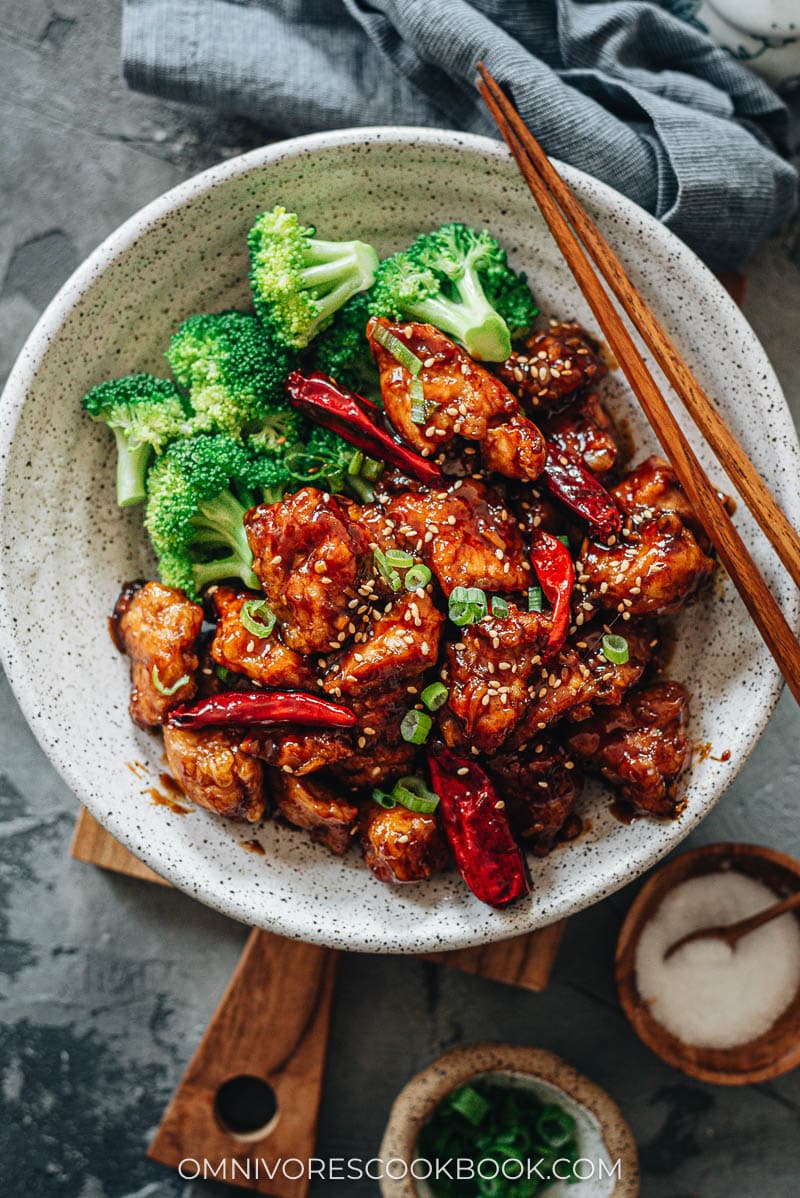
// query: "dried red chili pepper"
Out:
[555,572]
[476,825]
[353,417]
[261,707]
[569,480]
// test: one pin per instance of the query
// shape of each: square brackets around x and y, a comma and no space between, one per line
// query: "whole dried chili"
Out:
[568,480]
[261,707]
[476,825]
[555,572]
[353,418]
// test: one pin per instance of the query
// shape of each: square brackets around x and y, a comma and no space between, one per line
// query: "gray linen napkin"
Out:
[624,90]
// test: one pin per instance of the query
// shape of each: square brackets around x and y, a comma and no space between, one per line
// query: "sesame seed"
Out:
[462,771]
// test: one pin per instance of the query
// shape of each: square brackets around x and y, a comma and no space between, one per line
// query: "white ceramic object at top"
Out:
[765,34]
[66,547]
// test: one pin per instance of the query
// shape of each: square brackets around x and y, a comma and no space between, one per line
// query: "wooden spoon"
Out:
[732,933]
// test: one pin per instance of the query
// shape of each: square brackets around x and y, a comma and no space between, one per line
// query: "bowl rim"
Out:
[719,1066]
[281,919]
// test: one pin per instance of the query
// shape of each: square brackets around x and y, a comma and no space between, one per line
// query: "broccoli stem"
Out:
[335,276]
[132,463]
[220,521]
[482,331]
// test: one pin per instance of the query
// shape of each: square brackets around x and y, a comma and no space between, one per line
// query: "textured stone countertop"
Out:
[107,983]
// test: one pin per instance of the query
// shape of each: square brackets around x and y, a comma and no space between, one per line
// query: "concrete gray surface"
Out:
[107,983]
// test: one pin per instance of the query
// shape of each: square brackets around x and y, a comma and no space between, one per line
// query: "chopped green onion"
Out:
[415,726]
[257,617]
[535,599]
[419,411]
[371,469]
[555,1126]
[416,390]
[477,598]
[383,799]
[168,690]
[335,479]
[412,793]
[386,571]
[467,605]
[418,576]
[564,540]
[469,1103]
[615,649]
[398,559]
[434,696]
[355,463]
[398,349]
[499,607]
[221,673]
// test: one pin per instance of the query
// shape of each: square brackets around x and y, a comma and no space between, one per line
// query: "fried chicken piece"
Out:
[213,770]
[312,805]
[640,747]
[298,752]
[466,535]
[581,678]
[488,671]
[467,397]
[158,628]
[309,558]
[400,642]
[265,660]
[540,787]
[378,755]
[555,363]
[515,449]
[585,431]
[402,845]
[653,570]
[653,488]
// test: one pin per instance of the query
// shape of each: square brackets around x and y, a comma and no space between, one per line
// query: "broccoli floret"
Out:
[458,280]
[144,413]
[330,462]
[232,368]
[342,350]
[280,429]
[198,493]
[299,282]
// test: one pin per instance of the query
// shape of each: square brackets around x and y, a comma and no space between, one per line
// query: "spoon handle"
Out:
[738,930]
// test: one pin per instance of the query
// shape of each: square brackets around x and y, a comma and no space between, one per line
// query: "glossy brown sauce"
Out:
[162,800]
[254,846]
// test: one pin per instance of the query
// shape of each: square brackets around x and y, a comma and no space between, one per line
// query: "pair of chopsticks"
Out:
[579,240]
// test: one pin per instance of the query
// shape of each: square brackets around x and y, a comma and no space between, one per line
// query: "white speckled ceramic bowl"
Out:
[66,547]
[608,1162]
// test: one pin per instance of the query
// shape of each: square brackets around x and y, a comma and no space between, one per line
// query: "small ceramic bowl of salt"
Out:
[724,1015]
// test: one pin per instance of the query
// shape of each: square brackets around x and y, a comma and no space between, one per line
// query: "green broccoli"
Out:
[232,369]
[331,463]
[342,350]
[144,413]
[459,281]
[299,282]
[198,493]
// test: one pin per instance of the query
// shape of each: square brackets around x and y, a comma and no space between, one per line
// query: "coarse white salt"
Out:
[707,994]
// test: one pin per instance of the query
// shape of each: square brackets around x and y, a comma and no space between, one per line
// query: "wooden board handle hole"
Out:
[246,1107]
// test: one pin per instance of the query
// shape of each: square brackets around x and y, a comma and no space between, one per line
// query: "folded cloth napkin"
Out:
[624,90]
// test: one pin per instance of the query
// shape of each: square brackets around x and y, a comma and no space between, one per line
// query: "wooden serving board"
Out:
[271,1026]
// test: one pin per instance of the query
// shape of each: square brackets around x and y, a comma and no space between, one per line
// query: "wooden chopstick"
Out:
[713,516]
[741,471]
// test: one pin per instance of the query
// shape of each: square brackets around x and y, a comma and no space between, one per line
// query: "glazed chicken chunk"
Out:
[310,804]
[653,488]
[265,660]
[640,747]
[586,432]
[213,770]
[581,678]
[401,641]
[300,751]
[402,845]
[554,364]
[466,535]
[488,672]
[378,754]
[158,628]
[309,558]
[540,787]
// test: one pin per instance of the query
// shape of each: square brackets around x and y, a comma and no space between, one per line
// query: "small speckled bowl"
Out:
[66,547]
[607,1150]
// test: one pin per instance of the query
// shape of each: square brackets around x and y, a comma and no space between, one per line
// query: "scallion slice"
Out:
[469,1103]
[415,726]
[535,599]
[555,1126]
[371,469]
[399,351]
[386,571]
[398,559]
[434,696]
[419,409]
[564,540]
[418,576]
[478,599]
[499,607]
[221,673]
[257,617]
[355,463]
[411,792]
[615,649]
[168,690]
[383,799]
